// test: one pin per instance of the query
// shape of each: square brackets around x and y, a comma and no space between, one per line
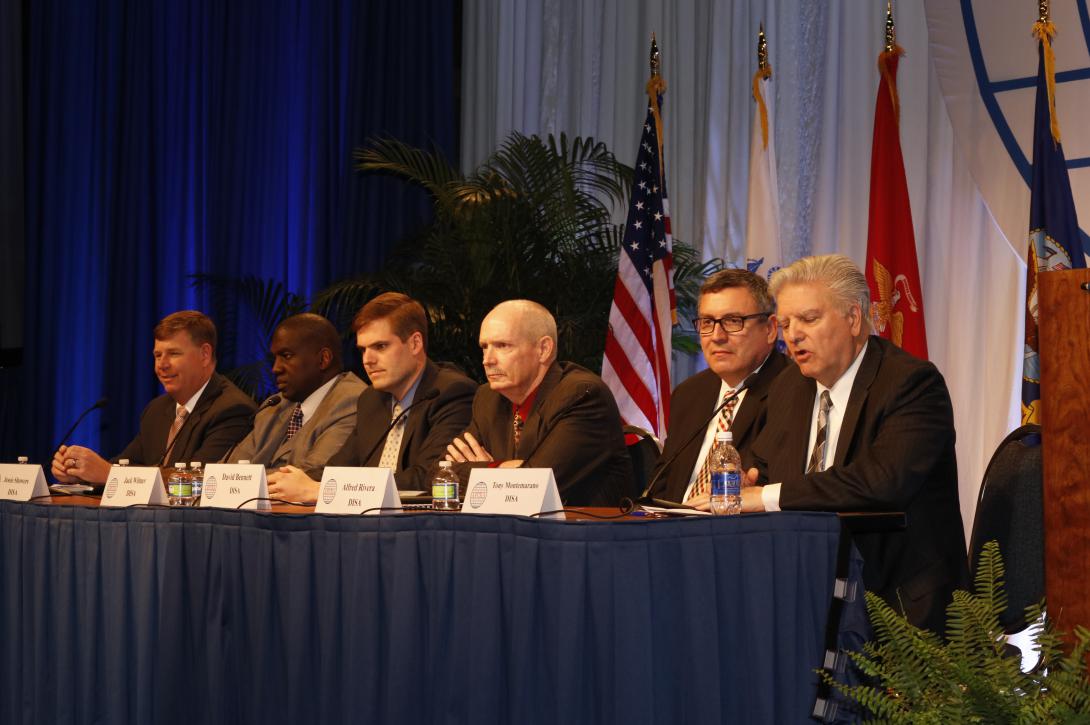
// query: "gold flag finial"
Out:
[1043,13]
[762,48]
[654,58]
[891,31]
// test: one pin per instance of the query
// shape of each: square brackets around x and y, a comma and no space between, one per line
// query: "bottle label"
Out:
[444,491]
[726,483]
[180,488]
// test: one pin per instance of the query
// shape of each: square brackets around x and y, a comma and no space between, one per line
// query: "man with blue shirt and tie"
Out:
[860,425]
[392,336]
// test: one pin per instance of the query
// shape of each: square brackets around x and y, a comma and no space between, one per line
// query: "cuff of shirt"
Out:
[770,496]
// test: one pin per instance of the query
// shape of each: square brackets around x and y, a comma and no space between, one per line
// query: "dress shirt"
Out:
[840,393]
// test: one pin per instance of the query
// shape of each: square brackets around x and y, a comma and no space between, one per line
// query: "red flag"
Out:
[893,274]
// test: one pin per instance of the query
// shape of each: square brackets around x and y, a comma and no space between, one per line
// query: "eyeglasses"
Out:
[730,323]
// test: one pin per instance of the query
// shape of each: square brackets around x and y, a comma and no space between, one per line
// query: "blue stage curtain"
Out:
[212,616]
[174,137]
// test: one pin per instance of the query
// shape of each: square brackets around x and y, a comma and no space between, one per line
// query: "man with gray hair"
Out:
[537,412]
[860,425]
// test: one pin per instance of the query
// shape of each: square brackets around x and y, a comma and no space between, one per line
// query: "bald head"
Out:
[518,343]
[306,353]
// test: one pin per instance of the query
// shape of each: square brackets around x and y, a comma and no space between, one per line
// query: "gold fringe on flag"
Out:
[762,73]
[884,59]
[1045,31]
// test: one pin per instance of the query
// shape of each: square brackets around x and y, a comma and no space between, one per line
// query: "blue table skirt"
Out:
[208,616]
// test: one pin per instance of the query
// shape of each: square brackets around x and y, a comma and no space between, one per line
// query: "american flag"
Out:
[637,357]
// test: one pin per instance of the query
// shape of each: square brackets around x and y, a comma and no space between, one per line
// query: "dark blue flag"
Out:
[1054,241]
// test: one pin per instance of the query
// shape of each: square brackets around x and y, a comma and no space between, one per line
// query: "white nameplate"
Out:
[133,486]
[350,490]
[227,485]
[514,491]
[22,481]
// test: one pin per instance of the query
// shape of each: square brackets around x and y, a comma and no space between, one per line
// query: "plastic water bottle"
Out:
[444,488]
[726,475]
[196,477]
[179,487]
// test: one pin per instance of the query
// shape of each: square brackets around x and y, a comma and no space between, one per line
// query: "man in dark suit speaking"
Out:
[200,416]
[737,328]
[537,412]
[860,425]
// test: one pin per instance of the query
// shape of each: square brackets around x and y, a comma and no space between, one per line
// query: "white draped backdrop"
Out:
[547,66]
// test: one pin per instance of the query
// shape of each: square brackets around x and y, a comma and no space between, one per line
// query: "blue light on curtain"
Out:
[175,137]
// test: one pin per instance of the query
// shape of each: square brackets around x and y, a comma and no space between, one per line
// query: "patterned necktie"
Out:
[722,423]
[393,442]
[179,420]
[516,427]
[817,457]
[295,423]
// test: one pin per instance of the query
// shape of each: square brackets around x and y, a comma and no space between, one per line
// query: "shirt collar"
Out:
[315,399]
[409,394]
[524,408]
[192,402]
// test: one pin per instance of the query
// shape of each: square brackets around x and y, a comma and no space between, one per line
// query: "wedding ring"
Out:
[70,463]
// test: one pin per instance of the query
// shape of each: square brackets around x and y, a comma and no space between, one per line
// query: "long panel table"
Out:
[212,616]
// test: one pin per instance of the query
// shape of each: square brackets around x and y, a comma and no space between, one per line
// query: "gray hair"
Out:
[837,272]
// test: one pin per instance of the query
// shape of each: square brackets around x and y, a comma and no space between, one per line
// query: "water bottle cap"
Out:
[196,464]
[180,466]
[123,462]
[23,459]
[445,464]
[724,435]
[244,462]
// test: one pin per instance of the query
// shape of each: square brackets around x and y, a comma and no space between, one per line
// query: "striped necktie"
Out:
[817,456]
[722,423]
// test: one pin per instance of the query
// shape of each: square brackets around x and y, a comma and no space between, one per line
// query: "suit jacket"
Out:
[320,437]
[691,404]
[220,419]
[430,427]
[895,452]
[573,427]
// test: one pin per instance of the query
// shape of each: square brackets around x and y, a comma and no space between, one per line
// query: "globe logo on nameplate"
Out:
[329,491]
[111,487]
[478,494]
[209,487]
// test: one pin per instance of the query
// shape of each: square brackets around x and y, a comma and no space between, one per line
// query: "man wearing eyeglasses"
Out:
[738,333]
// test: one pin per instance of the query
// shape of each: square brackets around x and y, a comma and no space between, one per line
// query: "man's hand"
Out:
[72,464]
[292,484]
[702,502]
[466,450]
[752,500]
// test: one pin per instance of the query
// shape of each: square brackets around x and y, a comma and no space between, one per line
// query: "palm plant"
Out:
[534,221]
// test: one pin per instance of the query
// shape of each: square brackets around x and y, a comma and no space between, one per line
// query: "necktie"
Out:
[295,423]
[393,442]
[179,420]
[516,427]
[722,423]
[817,457]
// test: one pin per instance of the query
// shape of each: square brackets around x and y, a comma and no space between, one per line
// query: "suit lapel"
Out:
[797,443]
[533,427]
[277,430]
[182,448]
[872,358]
[708,394]
[418,415]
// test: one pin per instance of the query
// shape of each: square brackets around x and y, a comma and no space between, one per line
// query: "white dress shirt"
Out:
[840,392]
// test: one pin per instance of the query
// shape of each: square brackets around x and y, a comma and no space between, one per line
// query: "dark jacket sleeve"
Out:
[448,416]
[909,429]
[232,419]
